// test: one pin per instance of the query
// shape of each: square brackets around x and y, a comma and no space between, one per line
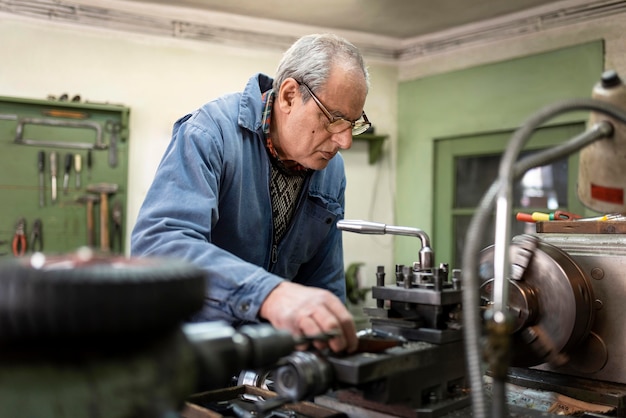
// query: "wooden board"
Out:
[582,227]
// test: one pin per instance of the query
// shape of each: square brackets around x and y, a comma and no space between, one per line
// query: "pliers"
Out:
[19,238]
[36,240]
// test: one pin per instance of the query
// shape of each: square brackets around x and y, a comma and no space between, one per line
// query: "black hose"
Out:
[510,170]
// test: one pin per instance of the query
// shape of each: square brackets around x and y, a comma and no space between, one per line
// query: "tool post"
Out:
[41,156]
[53,175]
[68,168]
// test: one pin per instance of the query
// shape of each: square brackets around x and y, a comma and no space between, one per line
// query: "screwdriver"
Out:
[89,163]
[53,175]
[78,168]
[68,168]
[41,156]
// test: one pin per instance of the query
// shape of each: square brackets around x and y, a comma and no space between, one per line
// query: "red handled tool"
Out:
[19,239]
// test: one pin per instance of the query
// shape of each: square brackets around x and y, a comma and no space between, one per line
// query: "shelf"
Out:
[375,144]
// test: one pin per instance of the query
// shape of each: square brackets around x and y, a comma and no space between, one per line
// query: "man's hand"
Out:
[308,311]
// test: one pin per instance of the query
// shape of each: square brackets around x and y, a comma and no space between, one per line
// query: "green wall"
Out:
[487,98]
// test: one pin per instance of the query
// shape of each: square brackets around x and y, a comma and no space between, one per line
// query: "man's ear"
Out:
[287,94]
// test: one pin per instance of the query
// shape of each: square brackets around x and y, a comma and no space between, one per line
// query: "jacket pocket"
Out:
[311,231]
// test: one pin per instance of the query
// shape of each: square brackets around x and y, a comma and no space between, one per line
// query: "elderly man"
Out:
[251,188]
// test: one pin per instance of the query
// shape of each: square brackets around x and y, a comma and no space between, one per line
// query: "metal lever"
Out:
[375,228]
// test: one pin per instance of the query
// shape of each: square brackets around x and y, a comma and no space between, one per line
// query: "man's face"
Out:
[302,134]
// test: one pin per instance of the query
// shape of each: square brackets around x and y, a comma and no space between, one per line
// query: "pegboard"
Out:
[93,139]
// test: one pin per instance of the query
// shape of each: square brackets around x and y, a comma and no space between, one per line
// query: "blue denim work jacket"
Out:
[210,204]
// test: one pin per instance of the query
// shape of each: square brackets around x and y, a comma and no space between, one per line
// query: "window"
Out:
[467,166]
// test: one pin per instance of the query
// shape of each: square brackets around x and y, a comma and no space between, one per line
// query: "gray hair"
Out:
[310,59]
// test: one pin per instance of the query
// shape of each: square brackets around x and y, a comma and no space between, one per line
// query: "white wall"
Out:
[160,79]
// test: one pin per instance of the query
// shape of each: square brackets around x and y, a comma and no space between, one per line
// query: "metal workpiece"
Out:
[19,133]
[303,375]
[426,254]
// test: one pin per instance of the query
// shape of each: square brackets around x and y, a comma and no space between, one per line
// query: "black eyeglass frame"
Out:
[357,126]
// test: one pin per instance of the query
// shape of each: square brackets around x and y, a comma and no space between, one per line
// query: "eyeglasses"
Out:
[338,125]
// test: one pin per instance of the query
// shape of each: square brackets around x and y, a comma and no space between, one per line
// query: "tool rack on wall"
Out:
[95,137]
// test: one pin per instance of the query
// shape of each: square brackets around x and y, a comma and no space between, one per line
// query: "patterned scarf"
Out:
[286,182]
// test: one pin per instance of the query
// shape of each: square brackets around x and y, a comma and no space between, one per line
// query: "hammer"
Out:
[104,189]
[90,200]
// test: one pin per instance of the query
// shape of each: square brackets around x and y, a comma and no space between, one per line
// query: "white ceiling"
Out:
[388,30]
[393,18]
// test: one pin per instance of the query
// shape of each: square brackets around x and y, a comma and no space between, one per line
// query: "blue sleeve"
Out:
[177,218]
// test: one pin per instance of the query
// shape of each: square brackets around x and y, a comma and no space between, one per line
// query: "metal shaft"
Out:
[78,167]
[41,156]
[66,176]
[53,175]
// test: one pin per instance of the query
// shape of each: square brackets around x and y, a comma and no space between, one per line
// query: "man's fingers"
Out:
[344,323]
[337,321]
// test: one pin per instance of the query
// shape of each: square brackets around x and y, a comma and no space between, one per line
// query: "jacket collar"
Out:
[251,107]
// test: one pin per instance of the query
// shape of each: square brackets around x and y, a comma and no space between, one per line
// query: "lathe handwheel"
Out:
[88,296]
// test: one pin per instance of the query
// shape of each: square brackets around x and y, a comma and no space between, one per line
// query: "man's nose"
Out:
[343,139]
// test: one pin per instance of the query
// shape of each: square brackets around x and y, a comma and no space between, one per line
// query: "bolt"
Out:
[597,273]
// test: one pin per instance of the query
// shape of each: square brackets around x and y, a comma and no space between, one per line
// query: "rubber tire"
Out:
[95,297]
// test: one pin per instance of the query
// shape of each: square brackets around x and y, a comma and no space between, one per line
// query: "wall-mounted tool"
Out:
[104,190]
[41,157]
[66,175]
[89,200]
[19,133]
[53,175]
[116,216]
[113,128]
[89,163]
[19,238]
[63,113]
[36,238]
[78,167]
